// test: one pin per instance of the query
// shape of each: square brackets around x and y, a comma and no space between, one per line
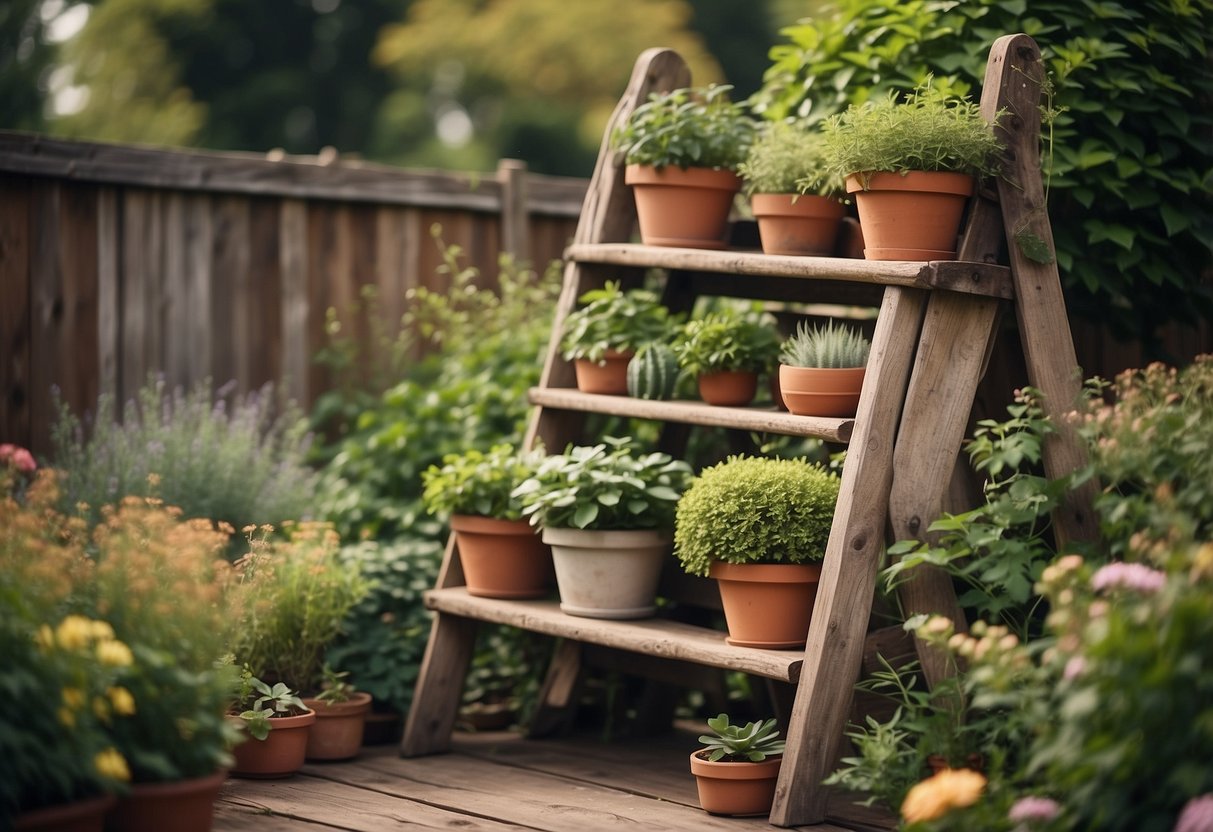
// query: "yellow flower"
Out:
[74,632]
[73,698]
[45,637]
[114,654]
[123,702]
[101,630]
[936,796]
[66,718]
[109,763]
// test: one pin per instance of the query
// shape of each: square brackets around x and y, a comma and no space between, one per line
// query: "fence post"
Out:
[515,222]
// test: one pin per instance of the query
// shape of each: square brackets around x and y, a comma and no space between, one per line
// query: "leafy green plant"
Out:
[929,131]
[612,319]
[755,510]
[826,347]
[604,486]
[478,483]
[886,762]
[336,687]
[689,127]
[752,742]
[258,703]
[787,158]
[726,340]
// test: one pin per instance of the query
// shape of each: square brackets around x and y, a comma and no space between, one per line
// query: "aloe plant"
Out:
[826,347]
[753,742]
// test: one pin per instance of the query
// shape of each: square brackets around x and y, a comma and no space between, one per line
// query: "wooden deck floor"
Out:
[500,781]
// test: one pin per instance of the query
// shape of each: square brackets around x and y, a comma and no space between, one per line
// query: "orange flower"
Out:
[936,796]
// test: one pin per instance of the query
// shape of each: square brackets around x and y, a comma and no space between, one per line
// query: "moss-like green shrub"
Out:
[755,510]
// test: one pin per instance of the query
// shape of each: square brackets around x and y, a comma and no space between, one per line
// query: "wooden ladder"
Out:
[933,335]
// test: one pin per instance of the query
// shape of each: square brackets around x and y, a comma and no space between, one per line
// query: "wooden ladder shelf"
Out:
[933,334]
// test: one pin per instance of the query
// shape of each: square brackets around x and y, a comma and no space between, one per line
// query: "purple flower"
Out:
[1197,816]
[1029,809]
[1135,576]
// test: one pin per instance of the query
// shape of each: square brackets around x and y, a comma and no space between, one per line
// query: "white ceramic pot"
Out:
[608,574]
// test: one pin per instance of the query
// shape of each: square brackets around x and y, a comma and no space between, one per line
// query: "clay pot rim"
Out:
[483,524]
[935,181]
[608,538]
[734,769]
[359,702]
[713,178]
[766,573]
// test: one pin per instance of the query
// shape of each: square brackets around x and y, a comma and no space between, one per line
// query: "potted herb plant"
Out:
[759,526]
[501,554]
[341,714]
[682,149]
[911,166]
[736,769]
[794,196]
[277,724]
[726,351]
[603,333]
[821,370]
[606,511]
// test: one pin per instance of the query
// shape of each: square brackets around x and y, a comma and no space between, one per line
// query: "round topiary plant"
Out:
[755,510]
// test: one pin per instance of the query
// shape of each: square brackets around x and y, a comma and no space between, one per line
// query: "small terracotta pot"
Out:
[789,224]
[821,391]
[337,732]
[608,574]
[280,754]
[728,788]
[502,558]
[87,815]
[608,377]
[677,207]
[181,805]
[911,217]
[767,605]
[728,388]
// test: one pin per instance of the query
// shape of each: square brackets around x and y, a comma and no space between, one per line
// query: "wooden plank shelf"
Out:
[649,636]
[986,279]
[759,419]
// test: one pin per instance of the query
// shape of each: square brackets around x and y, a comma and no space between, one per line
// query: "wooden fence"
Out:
[118,261]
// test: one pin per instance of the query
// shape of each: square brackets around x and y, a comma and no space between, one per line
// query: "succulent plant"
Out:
[752,742]
[830,346]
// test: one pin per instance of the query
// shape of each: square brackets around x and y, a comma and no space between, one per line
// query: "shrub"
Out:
[696,127]
[724,340]
[612,319]
[787,158]
[478,483]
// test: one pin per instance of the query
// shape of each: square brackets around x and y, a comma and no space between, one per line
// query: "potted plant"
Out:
[501,554]
[736,769]
[911,166]
[794,196]
[821,370]
[608,514]
[682,149]
[759,526]
[601,336]
[726,351]
[277,724]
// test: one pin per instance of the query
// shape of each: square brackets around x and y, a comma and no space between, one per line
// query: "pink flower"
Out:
[18,458]
[1197,816]
[1074,668]
[1135,576]
[1029,809]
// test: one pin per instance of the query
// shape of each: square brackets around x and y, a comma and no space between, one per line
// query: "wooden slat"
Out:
[264,311]
[293,265]
[176,314]
[966,277]
[199,288]
[109,301]
[760,419]
[231,289]
[15,287]
[46,309]
[431,717]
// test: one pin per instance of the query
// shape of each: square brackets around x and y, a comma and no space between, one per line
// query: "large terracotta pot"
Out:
[608,574]
[729,388]
[608,377]
[677,207]
[821,391]
[767,605]
[729,788]
[280,754]
[181,805]
[788,224]
[911,217]
[502,558]
[337,732]
[87,815]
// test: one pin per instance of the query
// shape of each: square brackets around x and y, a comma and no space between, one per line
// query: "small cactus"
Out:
[653,372]
[826,347]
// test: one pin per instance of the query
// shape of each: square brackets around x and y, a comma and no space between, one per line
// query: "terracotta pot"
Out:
[608,574]
[728,388]
[337,731]
[911,217]
[728,788]
[608,377]
[797,225]
[821,391]
[87,815]
[677,207]
[767,605]
[182,805]
[280,754]
[502,558]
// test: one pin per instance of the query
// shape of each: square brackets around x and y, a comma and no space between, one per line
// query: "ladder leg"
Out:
[556,705]
[439,686]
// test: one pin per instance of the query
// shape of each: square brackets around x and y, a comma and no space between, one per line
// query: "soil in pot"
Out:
[608,377]
[182,805]
[767,605]
[337,732]
[677,207]
[729,788]
[915,216]
[502,558]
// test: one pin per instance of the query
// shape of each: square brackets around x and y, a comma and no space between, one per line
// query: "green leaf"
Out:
[585,515]
[1033,247]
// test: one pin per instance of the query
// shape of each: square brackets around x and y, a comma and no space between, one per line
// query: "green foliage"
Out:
[726,340]
[236,463]
[335,687]
[886,762]
[1129,126]
[264,703]
[929,130]
[604,486]
[825,347]
[653,372]
[787,158]
[478,483]
[755,510]
[612,319]
[689,127]
[752,742]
